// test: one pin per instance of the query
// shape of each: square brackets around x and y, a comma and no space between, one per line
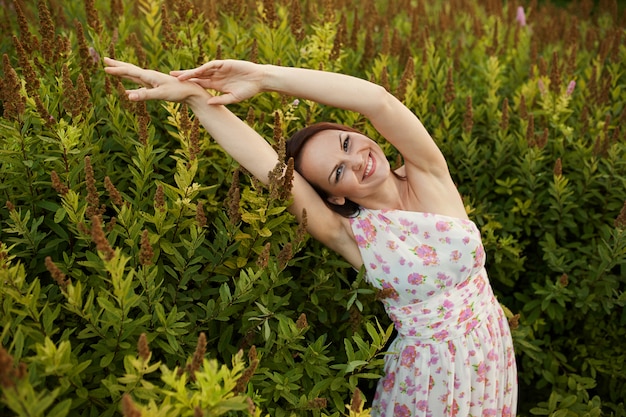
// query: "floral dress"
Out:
[453,355]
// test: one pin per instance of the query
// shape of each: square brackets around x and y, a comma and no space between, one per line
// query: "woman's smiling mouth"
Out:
[370,167]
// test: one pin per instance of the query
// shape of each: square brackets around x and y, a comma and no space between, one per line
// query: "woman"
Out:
[453,354]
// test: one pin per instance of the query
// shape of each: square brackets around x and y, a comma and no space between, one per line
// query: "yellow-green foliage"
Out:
[142,273]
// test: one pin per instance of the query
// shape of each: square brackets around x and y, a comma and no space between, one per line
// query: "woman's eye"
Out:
[346,142]
[338,173]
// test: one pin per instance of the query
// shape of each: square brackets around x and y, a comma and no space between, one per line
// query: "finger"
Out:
[223,99]
[203,71]
[141,94]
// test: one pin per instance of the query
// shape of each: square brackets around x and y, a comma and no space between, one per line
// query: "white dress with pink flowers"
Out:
[453,355]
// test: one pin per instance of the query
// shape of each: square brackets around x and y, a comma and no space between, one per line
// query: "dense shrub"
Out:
[140,269]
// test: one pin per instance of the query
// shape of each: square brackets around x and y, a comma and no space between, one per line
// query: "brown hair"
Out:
[294,147]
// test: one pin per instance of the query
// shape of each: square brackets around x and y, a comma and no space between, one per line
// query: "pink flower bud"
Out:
[570,87]
[521,16]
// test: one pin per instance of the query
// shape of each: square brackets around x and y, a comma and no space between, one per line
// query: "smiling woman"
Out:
[408,228]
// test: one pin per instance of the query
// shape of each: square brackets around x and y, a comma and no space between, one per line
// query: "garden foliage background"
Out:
[142,272]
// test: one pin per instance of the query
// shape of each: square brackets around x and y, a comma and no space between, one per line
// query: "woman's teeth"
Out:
[368,168]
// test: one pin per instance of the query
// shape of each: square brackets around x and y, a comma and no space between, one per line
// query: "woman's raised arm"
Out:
[238,80]
[242,143]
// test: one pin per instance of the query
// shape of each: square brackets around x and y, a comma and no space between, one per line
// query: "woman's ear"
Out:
[338,201]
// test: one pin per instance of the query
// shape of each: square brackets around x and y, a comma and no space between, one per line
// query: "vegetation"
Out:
[143,273]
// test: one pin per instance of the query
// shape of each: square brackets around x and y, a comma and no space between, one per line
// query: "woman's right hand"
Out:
[155,85]
[236,80]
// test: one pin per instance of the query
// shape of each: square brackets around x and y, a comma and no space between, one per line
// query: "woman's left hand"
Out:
[155,85]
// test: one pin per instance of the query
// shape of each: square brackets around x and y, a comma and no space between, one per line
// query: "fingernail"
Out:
[132,96]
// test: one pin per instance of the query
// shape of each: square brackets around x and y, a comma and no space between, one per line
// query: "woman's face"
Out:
[344,164]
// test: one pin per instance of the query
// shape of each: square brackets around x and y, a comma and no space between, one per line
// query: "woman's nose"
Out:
[356,162]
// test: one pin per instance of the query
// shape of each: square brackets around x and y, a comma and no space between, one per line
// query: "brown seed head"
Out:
[114,194]
[198,357]
[56,273]
[264,256]
[356,405]
[129,409]
[92,16]
[317,403]
[233,198]
[302,322]
[285,255]
[200,216]
[9,373]
[295,21]
[558,168]
[57,184]
[10,87]
[146,253]
[46,30]
[32,81]
[142,347]
[98,237]
[159,199]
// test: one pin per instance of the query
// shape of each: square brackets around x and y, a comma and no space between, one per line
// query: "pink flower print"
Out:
[422,405]
[414,229]
[392,245]
[401,410]
[360,241]
[369,231]
[447,304]
[408,357]
[481,371]
[471,324]
[466,240]
[455,408]
[428,254]
[443,226]
[441,335]
[465,314]
[490,412]
[389,381]
[479,257]
[386,269]
[405,222]
[410,385]
[373,266]
[492,355]
[384,219]
[426,235]
[452,350]
[416,278]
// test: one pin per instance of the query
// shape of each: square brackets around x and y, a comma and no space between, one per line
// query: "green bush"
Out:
[142,272]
